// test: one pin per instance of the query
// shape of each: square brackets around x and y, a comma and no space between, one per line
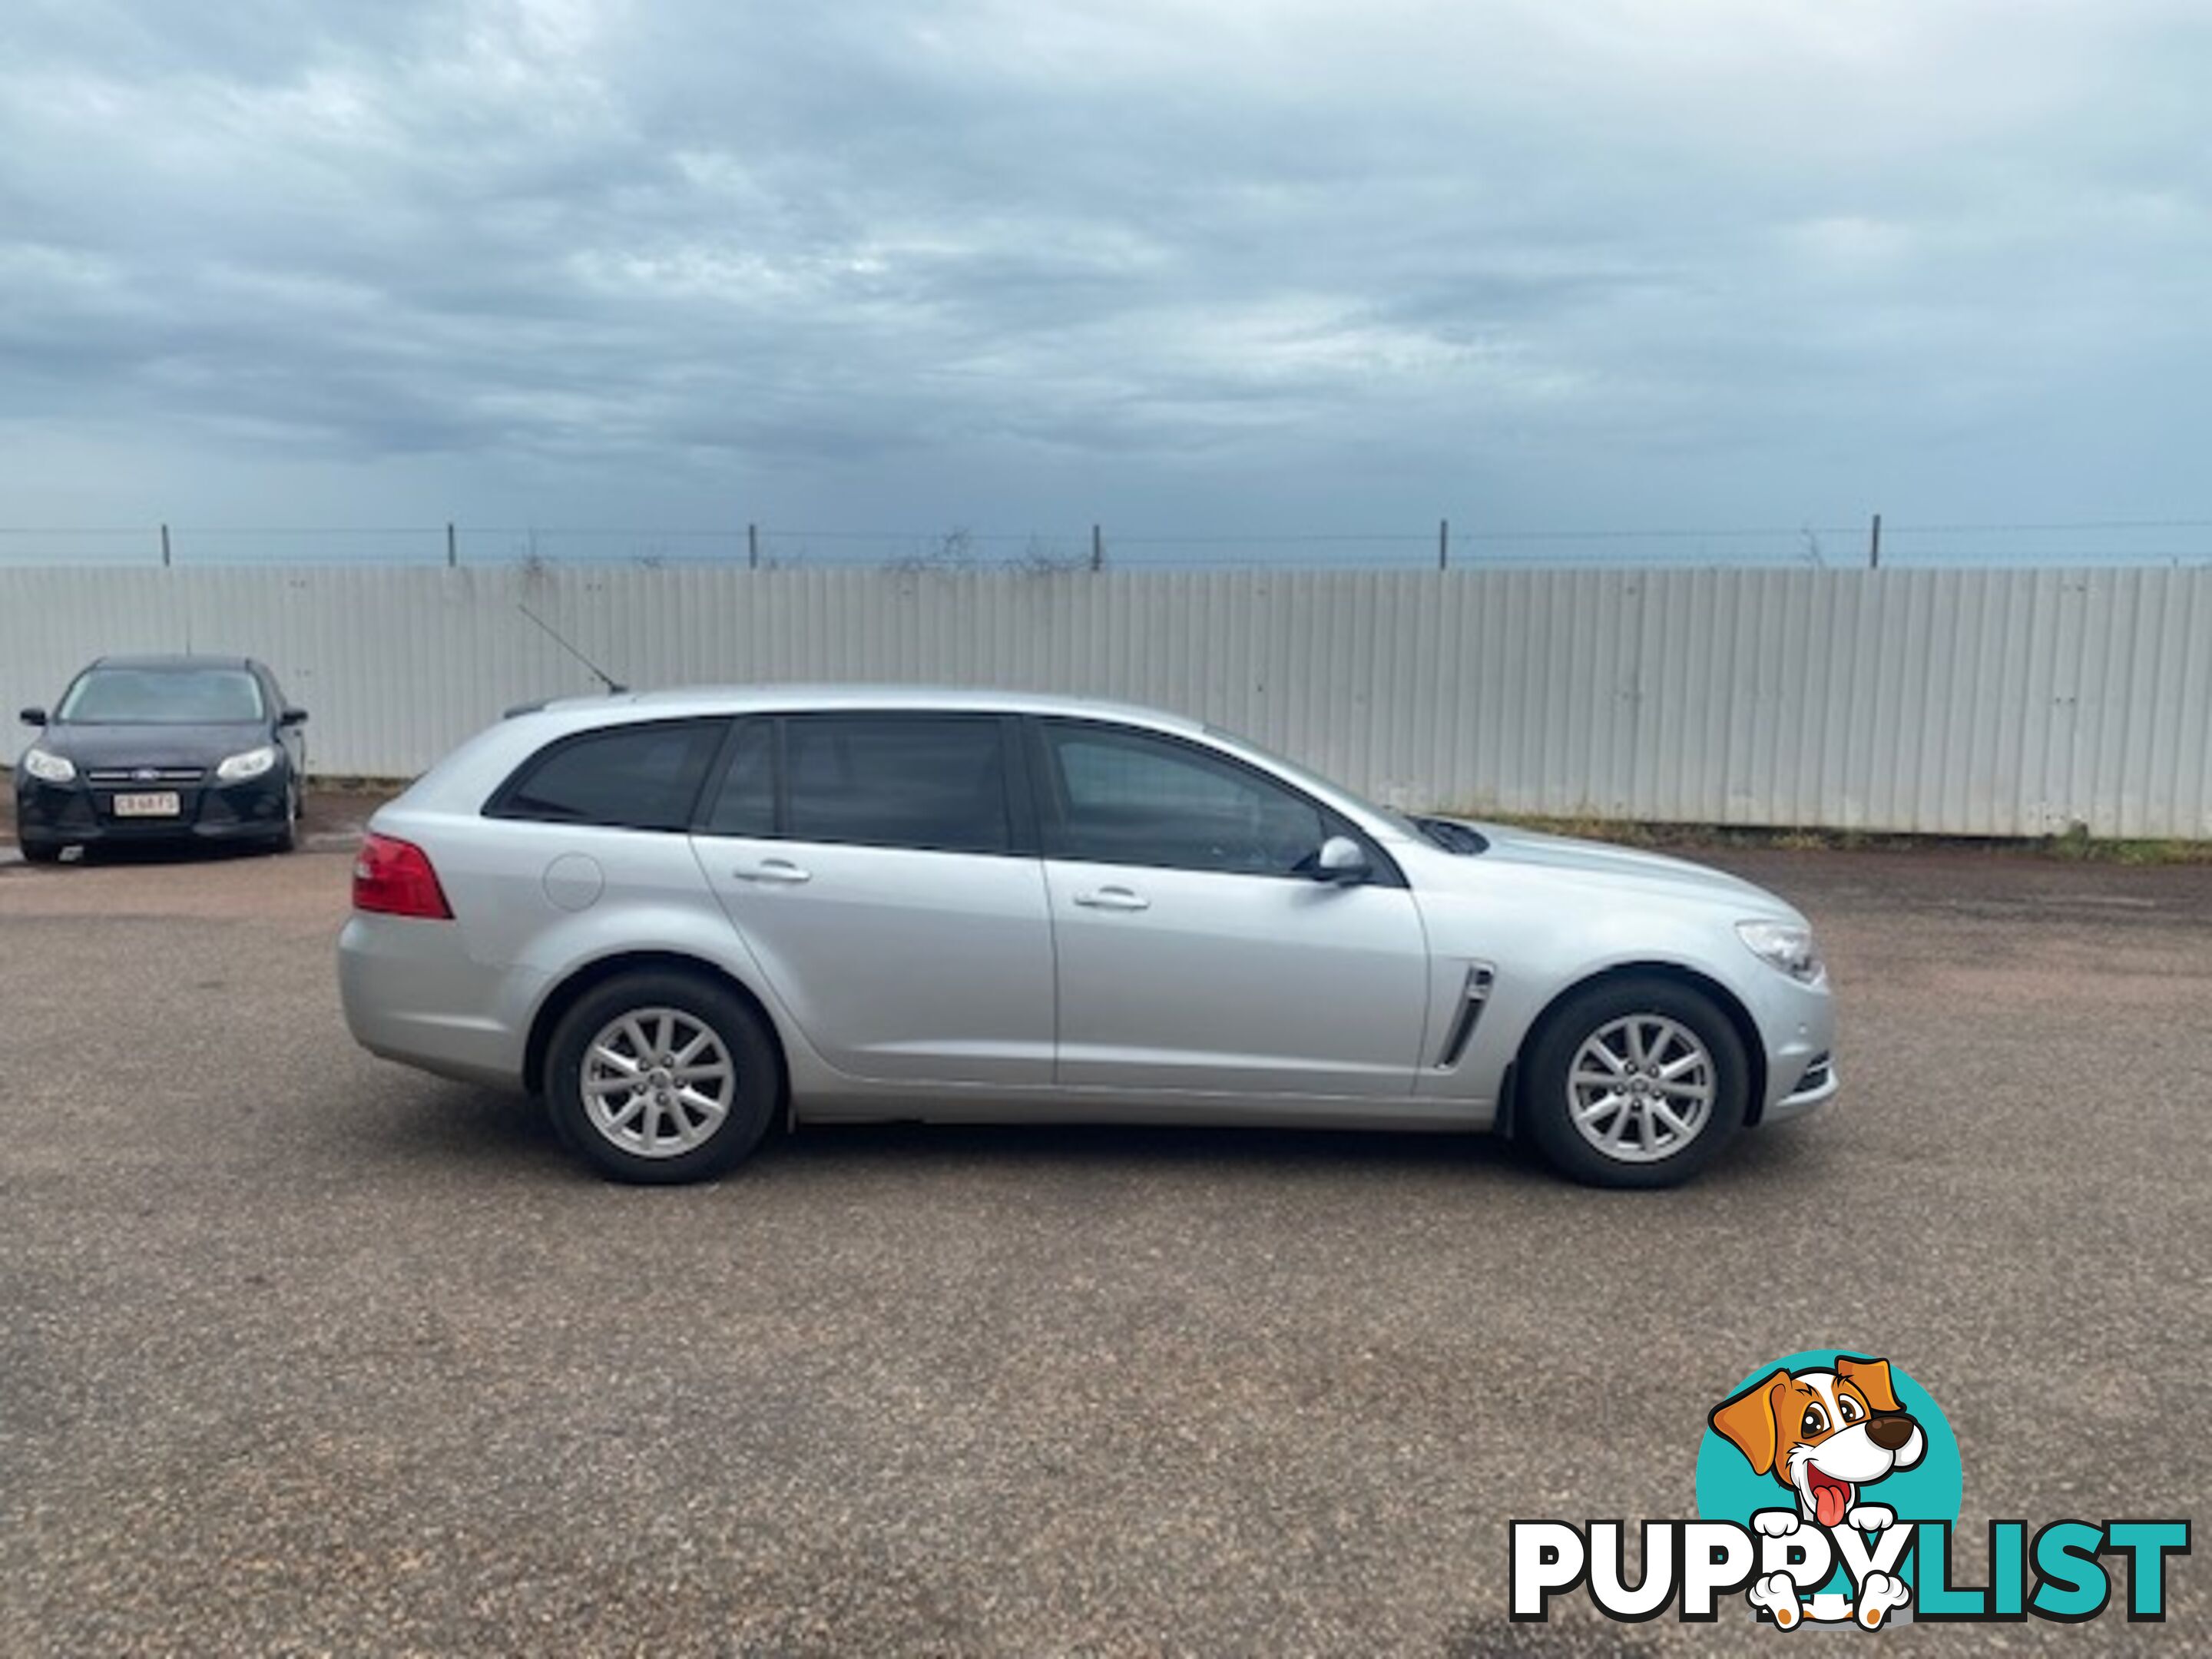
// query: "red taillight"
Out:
[394,878]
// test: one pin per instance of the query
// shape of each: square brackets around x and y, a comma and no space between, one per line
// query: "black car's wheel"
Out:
[288,839]
[1634,1083]
[41,852]
[662,1077]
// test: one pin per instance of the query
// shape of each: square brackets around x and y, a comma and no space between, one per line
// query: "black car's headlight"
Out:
[49,768]
[237,768]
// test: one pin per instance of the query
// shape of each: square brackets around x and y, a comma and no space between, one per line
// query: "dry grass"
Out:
[2077,846]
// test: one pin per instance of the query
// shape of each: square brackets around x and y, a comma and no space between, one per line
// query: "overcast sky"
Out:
[1010,264]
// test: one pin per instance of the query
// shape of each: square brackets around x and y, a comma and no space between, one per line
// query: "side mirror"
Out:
[1341,861]
[293,717]
[32,716]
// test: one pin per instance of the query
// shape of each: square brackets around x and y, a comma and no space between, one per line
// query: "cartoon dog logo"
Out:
[1826,1436]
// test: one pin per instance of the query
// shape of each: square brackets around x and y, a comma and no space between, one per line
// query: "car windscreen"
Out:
[162,696]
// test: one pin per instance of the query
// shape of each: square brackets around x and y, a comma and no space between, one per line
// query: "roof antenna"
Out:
[600,673]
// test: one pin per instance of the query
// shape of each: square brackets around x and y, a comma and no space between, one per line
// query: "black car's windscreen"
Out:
[163,696]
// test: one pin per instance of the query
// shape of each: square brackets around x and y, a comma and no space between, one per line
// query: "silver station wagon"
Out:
[677,915]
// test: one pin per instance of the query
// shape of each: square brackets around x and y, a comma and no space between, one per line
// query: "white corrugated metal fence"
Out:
[1963,702]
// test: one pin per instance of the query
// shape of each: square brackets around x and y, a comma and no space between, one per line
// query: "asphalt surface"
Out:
[300,1353]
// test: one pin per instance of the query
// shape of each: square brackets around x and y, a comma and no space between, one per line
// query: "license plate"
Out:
[161,805]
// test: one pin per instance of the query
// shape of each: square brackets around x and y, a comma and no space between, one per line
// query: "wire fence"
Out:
[1449,544]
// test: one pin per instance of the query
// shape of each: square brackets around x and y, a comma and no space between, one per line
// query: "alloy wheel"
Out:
[656,1082]
[1640,1088]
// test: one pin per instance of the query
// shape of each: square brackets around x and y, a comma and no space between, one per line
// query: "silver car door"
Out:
[880,869]
[1192,954]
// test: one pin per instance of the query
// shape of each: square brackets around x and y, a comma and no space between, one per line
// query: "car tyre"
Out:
[40,851]
[1636,1082]
[288,839]
[676,1122]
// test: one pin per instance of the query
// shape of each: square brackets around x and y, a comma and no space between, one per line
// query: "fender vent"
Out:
[1479,977]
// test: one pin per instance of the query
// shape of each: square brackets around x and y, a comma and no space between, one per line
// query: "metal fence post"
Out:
[1444,544]
[165,547]
[1097,548]
[1874,545]
[452,547]
[752,547]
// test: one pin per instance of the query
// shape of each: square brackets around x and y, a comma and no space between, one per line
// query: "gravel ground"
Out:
[307,1353]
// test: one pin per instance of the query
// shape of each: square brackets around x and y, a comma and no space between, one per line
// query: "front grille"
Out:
[126,776]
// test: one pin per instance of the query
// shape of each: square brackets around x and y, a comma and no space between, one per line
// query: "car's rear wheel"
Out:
[661,1076]
[1634,1082]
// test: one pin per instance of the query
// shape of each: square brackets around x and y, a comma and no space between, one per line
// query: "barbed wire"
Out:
[1452,545]
[739,532]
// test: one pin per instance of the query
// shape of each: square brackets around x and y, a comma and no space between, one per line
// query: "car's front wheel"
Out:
[661,1076]
[287,840]
[40,851]
[1636,1082]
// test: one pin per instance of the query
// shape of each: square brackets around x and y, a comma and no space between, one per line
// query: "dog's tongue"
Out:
[1830,1502]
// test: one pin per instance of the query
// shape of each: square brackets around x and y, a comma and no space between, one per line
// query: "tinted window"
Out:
[931,781]
[744,801]
[1125,798]
[633,777]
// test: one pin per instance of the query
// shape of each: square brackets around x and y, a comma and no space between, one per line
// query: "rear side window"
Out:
[626,777]
[928,781]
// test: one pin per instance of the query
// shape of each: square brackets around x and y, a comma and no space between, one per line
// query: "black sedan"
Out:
[143,748]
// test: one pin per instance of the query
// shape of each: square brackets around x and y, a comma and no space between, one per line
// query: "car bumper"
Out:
[80,814]
[1815,1088]
[412,993]
[1799,1025]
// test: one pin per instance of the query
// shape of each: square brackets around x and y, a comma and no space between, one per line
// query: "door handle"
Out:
[1112,898]
[775,870]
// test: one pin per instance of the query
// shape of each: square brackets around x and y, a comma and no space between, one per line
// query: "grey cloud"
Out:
[876,258]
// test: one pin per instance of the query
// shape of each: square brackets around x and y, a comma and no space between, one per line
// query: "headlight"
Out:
[250,764]
[48,768]
[1786,946]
